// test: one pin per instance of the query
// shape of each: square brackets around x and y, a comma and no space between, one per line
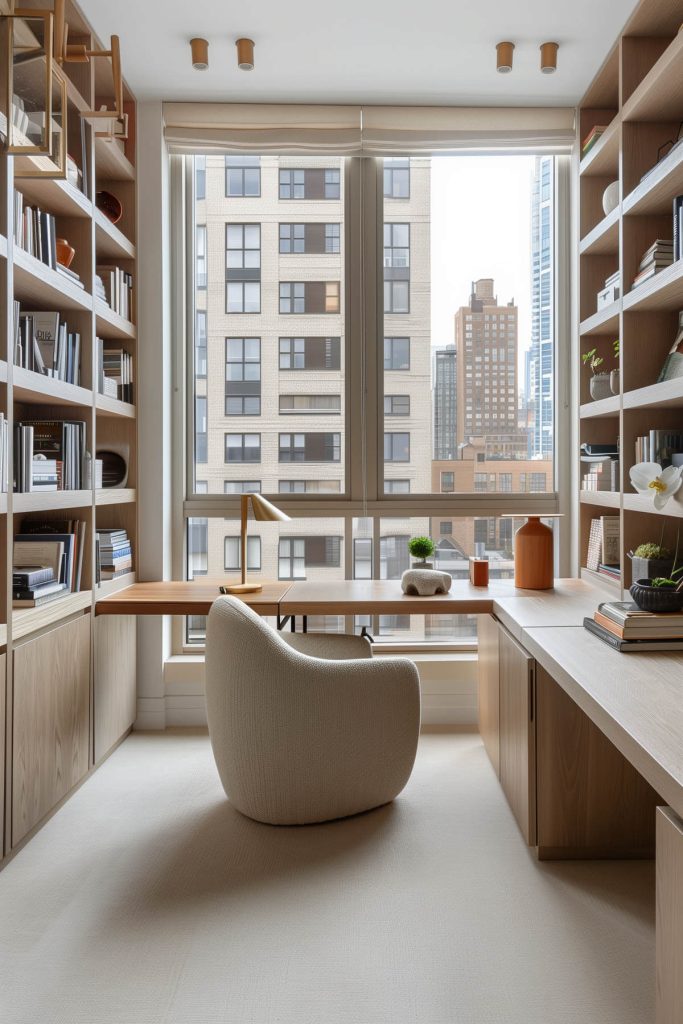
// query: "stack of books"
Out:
[601,473]
[592,137]
[623,625]
[49,455]
[659,256]
[114,554]
[659,446]
[115,375]
[53,550]
[678,227]
[43,343]
[115,287]
[604,547]
[610,293]
[35,231]
[33,585]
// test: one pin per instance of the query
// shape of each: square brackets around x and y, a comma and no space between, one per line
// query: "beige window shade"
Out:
[363,131]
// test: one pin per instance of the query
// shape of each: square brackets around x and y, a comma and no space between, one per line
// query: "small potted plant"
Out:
[660,593]
[421,548]
[599,382]
[614,375]
[650,560]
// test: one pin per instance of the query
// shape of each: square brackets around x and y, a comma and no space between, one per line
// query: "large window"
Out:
[450,351]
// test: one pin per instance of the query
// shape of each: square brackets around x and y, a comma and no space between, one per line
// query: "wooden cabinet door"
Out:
[115,686]
[517,734]
[50,721]
[3,665]
[488,683]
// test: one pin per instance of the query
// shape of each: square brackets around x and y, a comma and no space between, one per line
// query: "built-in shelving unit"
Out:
[637,96]
[108,165]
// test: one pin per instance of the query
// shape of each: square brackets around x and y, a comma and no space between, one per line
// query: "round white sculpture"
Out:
[610,197]
[425,582]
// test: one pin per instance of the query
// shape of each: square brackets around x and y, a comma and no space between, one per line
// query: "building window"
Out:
[242,176]
[310,353]
[242,447]
[200,177]
[243,268]
[537,481]
[481,481]
[309,447]
[397,486]
[242,376]
[232,554]
[396,246]
[310,404]
[394,557]
[397,405]
[201,436]
[309,486]
[243,297]
[296,554]
[396,447]
[397,353]
[445,528]
[309,238]
[241,486]
[309,183]
[200,350]
[197,547]
[362,558]
[396,296]
[447,482]
[397,178]
[309,297]
[200,271]
[505,482]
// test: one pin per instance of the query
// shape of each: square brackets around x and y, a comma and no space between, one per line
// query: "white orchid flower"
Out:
[662,484]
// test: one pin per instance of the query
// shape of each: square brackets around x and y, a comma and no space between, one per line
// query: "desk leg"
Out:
[669,917]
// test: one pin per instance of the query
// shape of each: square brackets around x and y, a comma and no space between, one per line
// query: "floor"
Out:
[148,900]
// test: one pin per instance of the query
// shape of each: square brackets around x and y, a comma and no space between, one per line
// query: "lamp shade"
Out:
[265,512]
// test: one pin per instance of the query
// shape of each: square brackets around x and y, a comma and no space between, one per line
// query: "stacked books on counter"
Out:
[114,554]
[600,467]
[47,561]
[623,625]
[659,446]
[49,455]
[115,371]
[114,286]
[594,134]
[659,256]
[43,343]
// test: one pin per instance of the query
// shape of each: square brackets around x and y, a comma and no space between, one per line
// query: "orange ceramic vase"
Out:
[65,252]
[534,556]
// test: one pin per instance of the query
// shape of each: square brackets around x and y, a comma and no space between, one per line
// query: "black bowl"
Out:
[656,599]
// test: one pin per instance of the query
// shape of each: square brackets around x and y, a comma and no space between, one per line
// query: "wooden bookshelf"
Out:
[110,166]
[638,95]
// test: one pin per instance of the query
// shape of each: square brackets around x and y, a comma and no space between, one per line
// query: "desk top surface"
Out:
[185,597]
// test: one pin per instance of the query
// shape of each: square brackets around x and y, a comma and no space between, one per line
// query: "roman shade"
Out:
[290,129]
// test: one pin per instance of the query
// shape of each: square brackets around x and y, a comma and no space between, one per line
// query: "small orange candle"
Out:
[479,571]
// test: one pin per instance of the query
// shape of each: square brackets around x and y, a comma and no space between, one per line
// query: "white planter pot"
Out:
[599,386]
[614,382]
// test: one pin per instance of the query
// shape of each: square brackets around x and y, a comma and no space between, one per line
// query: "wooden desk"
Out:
[385,597]
[193,597]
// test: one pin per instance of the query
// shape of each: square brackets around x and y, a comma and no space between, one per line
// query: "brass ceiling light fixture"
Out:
[549,58]
[200,54]
[245,54]
[504,57]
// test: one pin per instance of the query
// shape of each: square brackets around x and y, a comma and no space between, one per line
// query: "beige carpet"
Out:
[148,900]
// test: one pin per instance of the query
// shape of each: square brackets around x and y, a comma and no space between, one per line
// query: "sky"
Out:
[480,227]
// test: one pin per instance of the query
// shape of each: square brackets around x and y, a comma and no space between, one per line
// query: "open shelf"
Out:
[114,496]
[108,587]
[37,282]
[28,620]
[110,241]
[606,499]
[603,158]
[3,371]
[604,238]
[601,580]
[659,97]
[661,292]
[601,407]
[113,407]
[655,192]
[111,162]
[644,503]
[55,195]
[44,501]
[36,388]
[3,503]
[666,395]
[605,321]
[110,324]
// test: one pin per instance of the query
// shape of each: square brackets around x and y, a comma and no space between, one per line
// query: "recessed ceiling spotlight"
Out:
[245,54]
[504,57]
[200,54]
[549,58]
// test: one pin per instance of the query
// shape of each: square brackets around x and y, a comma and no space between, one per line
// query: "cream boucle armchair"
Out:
[305,727]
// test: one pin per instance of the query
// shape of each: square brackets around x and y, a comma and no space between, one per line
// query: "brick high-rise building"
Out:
[443,401]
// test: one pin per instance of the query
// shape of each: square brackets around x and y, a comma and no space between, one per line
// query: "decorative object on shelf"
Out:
[614,374]
[658,257]
[673,364]
[504,53]
[425,582]
[548,58]
[649,478]
[110,206]
[599,382]
[200,54]
[666,149]
[65,252]
[245,54]
[479,571]
[421,548]
[651,560]
[658,595]
[115,457]
[611,292]
[594,134]
[610,197]
[264,512]
[534,552]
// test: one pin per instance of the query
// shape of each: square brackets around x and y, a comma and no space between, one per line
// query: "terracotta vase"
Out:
[65,252]
[534,556]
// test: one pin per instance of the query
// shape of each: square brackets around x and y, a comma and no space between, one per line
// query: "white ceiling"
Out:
[373,51]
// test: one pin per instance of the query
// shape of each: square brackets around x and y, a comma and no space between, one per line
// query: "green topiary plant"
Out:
[593,360]
[652,550]
[421,547]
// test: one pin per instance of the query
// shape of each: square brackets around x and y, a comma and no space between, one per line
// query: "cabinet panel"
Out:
[517,741]
[590,798]
[3,665]
[50,724]
[115,696]
[487,668]
[669,917]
